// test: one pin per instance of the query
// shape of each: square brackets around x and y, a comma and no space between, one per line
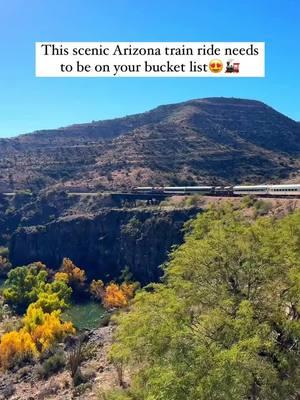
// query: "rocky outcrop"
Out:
[27,209]
[139,239]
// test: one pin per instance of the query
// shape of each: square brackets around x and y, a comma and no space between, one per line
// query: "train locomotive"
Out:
[258,190]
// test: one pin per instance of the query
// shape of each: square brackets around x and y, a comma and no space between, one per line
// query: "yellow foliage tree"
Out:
[76,276]
[40,331]
[61,276]
[45,328]
[16,346]
[117,296]
[128,289]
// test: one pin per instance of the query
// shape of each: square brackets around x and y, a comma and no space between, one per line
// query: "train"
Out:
[258,190]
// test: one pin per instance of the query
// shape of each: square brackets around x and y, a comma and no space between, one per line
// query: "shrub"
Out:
[82,388]
[89,351]
[97,289]
[28,284]
[15,347]
[193,200]
[52,365]
[248,201]
[132,228]
[262,207]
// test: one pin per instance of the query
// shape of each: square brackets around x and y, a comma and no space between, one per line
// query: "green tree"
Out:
[224,324]
[55,296]
[24,284]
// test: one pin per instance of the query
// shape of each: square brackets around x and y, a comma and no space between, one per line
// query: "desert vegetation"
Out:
[37,296]
[224,322]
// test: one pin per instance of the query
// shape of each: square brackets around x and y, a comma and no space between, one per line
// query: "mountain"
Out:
[211,140]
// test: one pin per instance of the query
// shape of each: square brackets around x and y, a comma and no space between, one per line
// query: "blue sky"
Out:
[28,103]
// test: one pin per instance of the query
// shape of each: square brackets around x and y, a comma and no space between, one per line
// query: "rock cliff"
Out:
[106,243]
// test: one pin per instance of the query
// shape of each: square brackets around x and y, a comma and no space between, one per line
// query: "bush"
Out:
[97,289]
[248,201]
[81,388]
[193,200]
[262,207]
[39,333]
[15,348]
[89,351]
[52,365]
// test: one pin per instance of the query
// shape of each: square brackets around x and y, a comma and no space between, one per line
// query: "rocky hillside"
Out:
[214,140]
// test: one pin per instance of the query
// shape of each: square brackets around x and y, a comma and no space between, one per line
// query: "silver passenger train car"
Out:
[259,190]
[271,190]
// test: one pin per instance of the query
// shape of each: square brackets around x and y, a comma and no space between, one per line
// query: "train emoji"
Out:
[232,67]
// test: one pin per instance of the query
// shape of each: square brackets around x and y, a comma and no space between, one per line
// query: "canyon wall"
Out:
[106,243]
